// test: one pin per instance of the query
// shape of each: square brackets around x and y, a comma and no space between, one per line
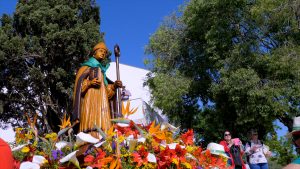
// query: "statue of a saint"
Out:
[92,93]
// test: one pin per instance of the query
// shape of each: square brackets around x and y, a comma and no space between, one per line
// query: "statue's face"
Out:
[100,54]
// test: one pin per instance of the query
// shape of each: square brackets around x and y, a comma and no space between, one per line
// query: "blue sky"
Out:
[128,23]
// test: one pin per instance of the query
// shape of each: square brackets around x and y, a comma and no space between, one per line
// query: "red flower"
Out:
[180,153]
[130,130]
[198,152]
[165,158]
[101,154]
[89,159]
[140,156]
[188,137]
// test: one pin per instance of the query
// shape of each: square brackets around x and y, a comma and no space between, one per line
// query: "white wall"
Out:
[133,79]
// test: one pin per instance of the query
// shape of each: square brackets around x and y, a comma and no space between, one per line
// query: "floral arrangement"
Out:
[125,145]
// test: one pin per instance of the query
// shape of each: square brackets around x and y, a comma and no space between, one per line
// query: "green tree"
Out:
[242,61]
[41,46]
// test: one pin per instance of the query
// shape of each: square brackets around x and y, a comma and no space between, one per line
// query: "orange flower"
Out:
[65,122]
[208,160]
[188,137]
[125,111]
[156,132]
[99,161]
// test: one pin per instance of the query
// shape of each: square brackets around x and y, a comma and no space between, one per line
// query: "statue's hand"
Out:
[118,84]
[95,83]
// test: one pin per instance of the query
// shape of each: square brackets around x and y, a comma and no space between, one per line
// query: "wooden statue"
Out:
[92,93]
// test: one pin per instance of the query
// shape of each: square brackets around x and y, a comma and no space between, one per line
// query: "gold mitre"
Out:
[100,45]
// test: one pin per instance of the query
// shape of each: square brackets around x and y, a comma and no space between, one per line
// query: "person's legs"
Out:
[254,166]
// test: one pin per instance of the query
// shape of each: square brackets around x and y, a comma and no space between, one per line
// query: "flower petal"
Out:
[151,158]
[29,165]
[70,157]
[82,138]
[141,140]
[38,159]
[60,145]
[99,144]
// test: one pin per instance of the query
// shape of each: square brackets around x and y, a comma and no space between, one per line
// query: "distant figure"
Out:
[6,157]
[257,152]
[234,149]
[295,134]
[92,93]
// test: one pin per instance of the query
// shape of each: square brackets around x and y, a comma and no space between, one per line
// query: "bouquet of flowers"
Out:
[125,145]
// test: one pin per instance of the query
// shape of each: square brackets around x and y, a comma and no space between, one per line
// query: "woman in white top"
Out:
[257,152]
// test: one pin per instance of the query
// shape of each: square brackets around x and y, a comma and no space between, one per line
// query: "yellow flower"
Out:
[41,153]
[35,143]
[175,161]
[18,140]
[51,136]
[18,129]
[121,138]
[111,132]
[29,135]
[65,122]
[150,166]
[25,149]
[190,149]
[187,165]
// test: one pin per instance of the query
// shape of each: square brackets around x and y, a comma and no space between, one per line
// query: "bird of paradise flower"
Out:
[126,110]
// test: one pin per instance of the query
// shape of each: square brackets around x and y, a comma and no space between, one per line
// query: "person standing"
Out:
[92,93]
[234,151]
[257,152]
[295,134]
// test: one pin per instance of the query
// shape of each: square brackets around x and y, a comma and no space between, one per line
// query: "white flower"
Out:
[38,159]
[122,125]
[82,138]
[60,145]
[70,157]
[29,165]
[130,137]
[151,158]
[89,167]
[141,139]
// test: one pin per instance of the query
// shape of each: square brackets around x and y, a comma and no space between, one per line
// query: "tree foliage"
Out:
[242,59]
[41,46]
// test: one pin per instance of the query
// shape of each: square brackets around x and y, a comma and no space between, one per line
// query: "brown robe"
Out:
[94,102]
